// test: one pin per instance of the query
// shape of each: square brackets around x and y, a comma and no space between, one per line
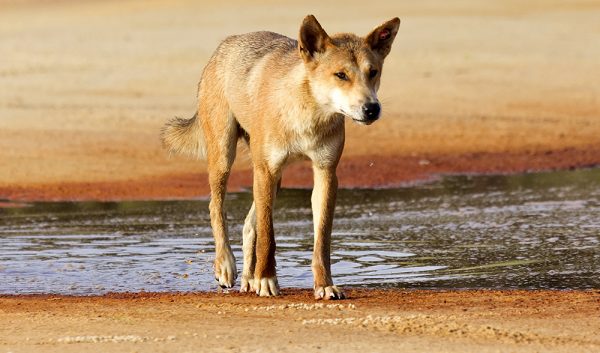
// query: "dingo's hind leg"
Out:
[221,133]
[249,248]
[220,158]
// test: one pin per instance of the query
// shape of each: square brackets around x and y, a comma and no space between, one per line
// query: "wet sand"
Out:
[371,320]
[374,171]
[470,87]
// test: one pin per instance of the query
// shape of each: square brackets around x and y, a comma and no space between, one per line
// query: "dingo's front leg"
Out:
[265,278]
[323,205]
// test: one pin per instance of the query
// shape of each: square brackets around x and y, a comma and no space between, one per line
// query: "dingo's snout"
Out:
[371,111]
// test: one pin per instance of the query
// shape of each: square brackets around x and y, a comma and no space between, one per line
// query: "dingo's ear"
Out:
[381,38]
[313,38]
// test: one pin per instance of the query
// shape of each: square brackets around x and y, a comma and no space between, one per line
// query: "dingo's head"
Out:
[344,70]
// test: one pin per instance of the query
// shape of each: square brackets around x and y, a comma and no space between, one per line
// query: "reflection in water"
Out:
[527,231]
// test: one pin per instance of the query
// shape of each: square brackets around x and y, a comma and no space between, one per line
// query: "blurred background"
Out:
[470,86]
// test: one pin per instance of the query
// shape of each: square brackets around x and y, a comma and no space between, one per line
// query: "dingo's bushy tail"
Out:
[184,136]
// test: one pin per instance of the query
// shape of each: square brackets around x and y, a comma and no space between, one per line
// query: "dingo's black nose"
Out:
[371,111]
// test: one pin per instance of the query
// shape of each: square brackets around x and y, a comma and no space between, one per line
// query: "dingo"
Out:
[285,99]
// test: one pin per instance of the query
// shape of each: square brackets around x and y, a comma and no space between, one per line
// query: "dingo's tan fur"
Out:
[286,99]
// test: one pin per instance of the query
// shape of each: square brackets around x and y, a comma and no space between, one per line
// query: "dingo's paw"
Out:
[247,284]
[266,287]
[225,270]
[329,292]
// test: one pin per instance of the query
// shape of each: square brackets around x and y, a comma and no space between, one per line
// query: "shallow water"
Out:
[527,231]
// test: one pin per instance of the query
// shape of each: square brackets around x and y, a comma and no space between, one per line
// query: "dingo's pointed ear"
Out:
[313,38]
[381,38]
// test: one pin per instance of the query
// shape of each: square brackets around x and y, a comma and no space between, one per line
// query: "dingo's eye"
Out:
[373,73]
[342,76]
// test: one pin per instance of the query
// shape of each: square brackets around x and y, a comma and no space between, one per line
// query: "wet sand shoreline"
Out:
[382,320]
[354,172]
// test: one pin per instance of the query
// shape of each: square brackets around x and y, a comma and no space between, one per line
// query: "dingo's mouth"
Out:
[363,121]
[358,121]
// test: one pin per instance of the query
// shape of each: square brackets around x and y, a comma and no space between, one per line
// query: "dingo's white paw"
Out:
[247,284]
[329,292]
[225,270]
[266,287]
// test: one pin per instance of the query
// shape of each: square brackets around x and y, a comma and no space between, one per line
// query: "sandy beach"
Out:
[484,87]
[370,321]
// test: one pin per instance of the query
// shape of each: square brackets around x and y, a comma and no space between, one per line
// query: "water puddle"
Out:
[527,231]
